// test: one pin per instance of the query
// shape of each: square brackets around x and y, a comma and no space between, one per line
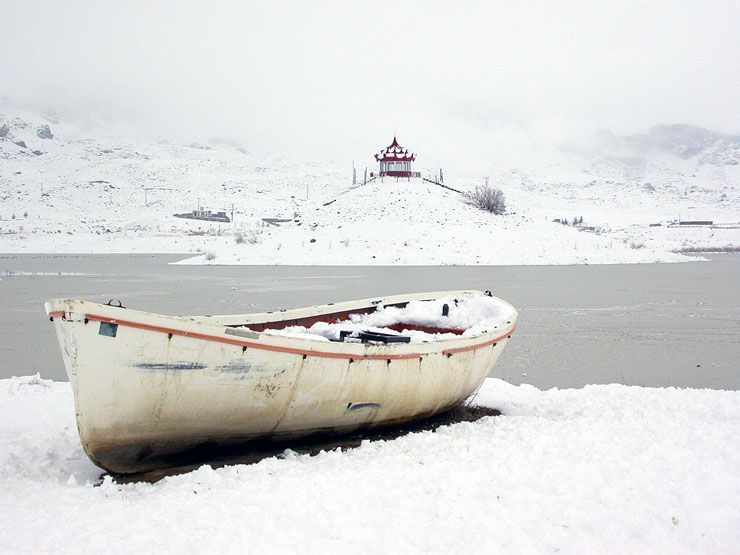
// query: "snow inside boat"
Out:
[149,386]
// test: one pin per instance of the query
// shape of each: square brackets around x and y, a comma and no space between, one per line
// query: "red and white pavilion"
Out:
[395,161]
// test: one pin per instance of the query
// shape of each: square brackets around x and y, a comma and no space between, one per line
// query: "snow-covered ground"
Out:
[606,468]
[64,189]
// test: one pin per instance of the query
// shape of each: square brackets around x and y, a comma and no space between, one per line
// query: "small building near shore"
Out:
[395,161]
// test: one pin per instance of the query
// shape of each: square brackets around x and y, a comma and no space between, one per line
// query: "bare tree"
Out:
[487,198]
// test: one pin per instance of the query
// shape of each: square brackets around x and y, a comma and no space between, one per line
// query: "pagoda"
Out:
[395,161]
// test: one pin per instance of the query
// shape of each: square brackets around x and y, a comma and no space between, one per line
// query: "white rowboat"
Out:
[148,386]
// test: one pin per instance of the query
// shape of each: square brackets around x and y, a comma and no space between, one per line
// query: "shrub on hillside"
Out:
[487,198]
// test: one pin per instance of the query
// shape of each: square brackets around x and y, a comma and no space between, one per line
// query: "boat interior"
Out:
[364,336]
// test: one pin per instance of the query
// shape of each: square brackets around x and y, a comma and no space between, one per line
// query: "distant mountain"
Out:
[683,141]
[17,137]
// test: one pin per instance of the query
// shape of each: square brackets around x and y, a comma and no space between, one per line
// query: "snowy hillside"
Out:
[420,223]
[64,189]
[672,172]
[607,468]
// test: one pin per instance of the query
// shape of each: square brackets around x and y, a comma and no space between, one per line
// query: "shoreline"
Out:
[199,259]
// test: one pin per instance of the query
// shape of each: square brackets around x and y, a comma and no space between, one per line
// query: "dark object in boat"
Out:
[445,309]
[367,336]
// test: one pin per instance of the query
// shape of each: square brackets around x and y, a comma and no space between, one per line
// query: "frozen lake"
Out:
[646,324]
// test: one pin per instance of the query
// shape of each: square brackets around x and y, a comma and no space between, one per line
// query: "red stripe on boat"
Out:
[479,345]
[280,349]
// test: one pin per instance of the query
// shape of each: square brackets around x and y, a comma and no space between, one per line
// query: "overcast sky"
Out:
[303,77]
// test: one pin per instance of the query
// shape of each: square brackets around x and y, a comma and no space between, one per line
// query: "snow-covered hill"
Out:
[420,223]
[65,189]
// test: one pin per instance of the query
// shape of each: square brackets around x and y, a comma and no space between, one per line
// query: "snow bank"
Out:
[475,315]
[604,468]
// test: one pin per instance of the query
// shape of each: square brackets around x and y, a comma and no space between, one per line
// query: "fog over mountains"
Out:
[684,141]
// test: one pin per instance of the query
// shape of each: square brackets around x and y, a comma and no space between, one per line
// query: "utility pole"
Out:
[354,175]
[232,212]
[364,181]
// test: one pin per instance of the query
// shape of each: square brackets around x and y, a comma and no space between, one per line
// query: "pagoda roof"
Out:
[394,152]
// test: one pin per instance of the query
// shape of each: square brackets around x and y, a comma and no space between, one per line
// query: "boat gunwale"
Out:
[206,330]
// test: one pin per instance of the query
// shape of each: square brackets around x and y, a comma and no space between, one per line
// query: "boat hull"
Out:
[148,387]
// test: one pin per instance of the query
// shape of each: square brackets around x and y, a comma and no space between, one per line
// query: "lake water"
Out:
[647,324]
